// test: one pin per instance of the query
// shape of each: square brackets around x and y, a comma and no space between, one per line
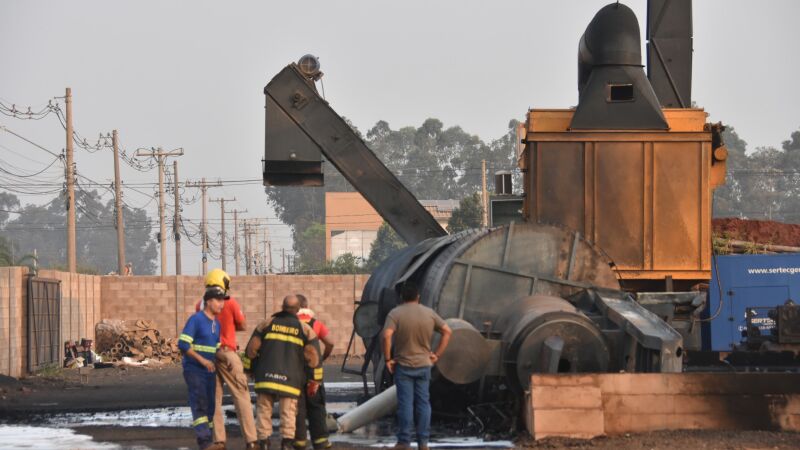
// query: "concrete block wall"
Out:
[80,310]
[80,303]
[588,405]
[169,301]
[13,323]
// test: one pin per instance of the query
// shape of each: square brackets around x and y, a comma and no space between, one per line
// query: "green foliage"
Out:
[42,228]
[347,263]
[310,248]
[385,244]
[344,264]
[469,214]
[7,257]
[764,184]
[8,202]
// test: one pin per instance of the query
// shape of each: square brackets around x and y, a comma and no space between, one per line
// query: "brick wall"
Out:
[80,303]
[80,310]
[169,301]
[13,323]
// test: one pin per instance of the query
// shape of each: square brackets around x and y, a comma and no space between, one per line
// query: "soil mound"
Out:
[759,231]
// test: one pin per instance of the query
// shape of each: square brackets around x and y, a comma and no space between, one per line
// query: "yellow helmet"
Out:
[218,278]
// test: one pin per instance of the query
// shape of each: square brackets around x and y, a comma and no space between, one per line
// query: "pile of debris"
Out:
[136,339]
[732,235]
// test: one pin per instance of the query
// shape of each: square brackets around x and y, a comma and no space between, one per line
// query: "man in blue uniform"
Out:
[199,342]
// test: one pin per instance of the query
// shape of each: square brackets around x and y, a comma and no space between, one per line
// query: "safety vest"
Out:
[280,365]
[315,373]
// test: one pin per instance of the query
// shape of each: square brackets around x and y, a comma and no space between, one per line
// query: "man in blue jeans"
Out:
[199,343]
[412,326]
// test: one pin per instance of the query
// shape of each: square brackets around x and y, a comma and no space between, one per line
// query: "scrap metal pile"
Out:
[137,339]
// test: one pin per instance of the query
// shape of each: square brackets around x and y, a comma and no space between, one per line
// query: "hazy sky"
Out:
[191,73]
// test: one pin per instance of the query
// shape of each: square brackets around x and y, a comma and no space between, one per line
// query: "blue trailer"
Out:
[748,282]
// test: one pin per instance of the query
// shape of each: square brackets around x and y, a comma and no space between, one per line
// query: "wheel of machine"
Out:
[534,322]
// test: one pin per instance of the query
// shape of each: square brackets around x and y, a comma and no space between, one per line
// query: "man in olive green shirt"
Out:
[412,326]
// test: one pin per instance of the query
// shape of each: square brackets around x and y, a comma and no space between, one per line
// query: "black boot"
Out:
[287,444]
[264,444]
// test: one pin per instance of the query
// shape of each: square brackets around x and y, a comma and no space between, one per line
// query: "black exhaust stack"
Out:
[669,51]
[614,92]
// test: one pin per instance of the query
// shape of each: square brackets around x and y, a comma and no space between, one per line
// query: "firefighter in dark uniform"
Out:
[279,350]
[311,404]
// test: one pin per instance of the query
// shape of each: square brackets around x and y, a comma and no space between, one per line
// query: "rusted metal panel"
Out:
[642,197]
[620,200]
[677,219]
[562,200]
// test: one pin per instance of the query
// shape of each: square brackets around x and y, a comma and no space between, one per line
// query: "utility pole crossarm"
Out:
[203,186]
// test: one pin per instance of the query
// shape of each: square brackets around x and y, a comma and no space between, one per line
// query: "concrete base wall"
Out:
[589,405]
[168,302]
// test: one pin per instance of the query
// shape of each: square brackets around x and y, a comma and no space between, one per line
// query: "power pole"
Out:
[484,195]
[221,202]
[71,258]
[161,156]
[269,252]
[203,225]
[236,237]
[246,247]
[265,241]
[176,227]
[118,205]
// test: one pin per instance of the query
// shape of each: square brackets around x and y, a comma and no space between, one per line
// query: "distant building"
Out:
[351,224]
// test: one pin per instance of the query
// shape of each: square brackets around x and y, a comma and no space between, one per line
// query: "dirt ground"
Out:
[760,231]
[169,438]
[133,388]
[104,390]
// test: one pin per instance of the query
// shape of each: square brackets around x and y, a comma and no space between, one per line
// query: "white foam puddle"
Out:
[42,438]
[157,417]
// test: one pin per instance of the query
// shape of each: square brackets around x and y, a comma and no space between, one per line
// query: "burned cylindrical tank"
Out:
[522,298]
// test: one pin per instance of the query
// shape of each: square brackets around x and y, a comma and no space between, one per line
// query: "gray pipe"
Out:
[373,409]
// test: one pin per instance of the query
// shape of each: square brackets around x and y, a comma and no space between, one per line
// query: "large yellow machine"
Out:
[642,196]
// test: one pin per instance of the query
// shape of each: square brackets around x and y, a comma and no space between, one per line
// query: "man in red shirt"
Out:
[311,404]
[229,365]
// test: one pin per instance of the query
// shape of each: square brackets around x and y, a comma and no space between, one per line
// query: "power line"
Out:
[7,130]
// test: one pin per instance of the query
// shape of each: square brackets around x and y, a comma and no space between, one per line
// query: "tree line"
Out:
[41,229]
[763,184]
